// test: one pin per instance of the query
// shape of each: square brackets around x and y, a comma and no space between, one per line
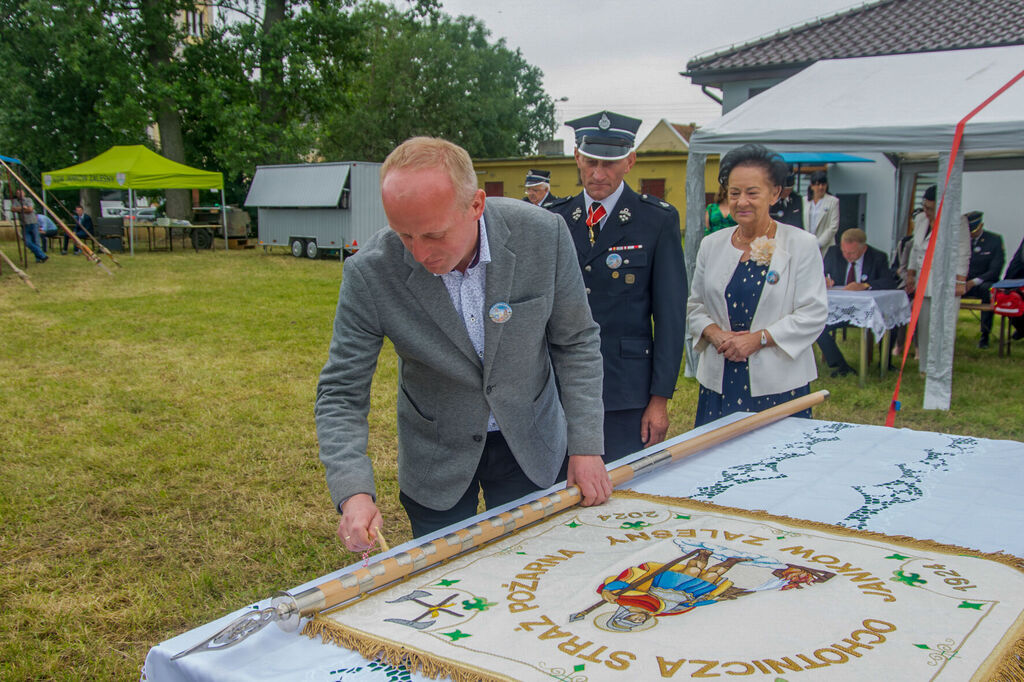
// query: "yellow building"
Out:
[660,169]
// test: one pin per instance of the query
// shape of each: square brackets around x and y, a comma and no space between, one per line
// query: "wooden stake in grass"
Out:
[19,272]
[287,609]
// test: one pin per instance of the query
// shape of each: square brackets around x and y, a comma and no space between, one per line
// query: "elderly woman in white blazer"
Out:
[757,300]
[822,212]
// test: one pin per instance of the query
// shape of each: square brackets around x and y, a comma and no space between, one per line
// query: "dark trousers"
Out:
[498,474]
[80,233]
[829,349]
[984,292]
[622,433]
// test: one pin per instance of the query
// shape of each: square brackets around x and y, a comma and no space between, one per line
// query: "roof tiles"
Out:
[884,27]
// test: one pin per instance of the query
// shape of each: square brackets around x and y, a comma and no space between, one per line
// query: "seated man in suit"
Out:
[987,258]
[853,266]
[499,370]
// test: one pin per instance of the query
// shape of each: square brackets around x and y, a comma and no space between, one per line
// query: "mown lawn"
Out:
[158,462]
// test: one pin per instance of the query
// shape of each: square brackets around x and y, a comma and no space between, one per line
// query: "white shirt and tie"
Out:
[608,203]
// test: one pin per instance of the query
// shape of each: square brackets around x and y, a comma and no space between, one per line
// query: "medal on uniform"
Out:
[500,313]
[577,213]
[773,277]
[613,261]
[630,278]
[624,215]
[615,274]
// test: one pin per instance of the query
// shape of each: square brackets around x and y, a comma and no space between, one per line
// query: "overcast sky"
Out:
[626,56]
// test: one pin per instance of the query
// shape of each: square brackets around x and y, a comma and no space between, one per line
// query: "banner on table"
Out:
[657,588]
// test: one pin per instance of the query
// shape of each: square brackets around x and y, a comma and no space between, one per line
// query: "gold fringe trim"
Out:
[376,649]
[1006,662]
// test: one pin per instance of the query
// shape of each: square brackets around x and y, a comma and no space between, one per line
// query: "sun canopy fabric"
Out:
[298,186]
[132,167]
[896,103]
[833,157]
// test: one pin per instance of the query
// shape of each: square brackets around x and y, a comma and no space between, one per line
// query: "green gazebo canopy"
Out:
[132,167]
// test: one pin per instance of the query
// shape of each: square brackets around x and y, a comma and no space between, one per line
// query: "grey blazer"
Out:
[444,393]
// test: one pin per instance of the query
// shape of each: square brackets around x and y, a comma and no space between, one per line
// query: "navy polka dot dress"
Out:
[742,296]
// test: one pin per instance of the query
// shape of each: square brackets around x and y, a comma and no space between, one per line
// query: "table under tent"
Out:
[133,168]
[907,107]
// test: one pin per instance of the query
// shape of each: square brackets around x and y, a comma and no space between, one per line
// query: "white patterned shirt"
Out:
[466,290]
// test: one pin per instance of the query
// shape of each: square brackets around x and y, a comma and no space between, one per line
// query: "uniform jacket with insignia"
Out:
[789,210]
[548,200]
[987,257]
[640,304]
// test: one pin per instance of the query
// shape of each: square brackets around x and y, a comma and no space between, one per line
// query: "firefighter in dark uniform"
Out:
[987,259]
[789,209]
[538,188]
[631,256]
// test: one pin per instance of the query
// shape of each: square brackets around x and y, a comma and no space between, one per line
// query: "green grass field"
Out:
[158,454]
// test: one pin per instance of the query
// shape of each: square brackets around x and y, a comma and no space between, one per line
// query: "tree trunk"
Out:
[271,92]
[158,27]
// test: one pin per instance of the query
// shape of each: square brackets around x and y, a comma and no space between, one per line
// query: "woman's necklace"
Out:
[745,242]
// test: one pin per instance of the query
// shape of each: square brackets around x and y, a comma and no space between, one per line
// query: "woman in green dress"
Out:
[717,216]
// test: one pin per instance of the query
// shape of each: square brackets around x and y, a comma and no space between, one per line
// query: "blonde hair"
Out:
[418,153]
[854,234]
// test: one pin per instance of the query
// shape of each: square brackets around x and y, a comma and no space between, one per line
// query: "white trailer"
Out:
[317,208]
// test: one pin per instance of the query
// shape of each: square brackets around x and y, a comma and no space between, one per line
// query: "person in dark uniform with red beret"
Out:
[631,255]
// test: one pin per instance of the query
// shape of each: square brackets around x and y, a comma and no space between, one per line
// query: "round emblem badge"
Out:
[773,277]
[500,313]
[613,261]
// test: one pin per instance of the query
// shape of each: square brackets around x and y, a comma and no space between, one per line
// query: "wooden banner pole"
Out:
[74,237]
[288,609]
[19,272]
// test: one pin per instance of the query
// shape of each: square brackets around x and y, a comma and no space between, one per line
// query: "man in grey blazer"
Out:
[499,357]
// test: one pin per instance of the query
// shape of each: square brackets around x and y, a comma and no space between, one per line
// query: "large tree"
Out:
[290,81]
[70,91]
[436,76]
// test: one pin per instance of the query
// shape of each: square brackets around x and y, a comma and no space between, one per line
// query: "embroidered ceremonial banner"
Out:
[646,588]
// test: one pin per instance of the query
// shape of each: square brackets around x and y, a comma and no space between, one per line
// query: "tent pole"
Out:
[224,217]
[131,220]
[696,163]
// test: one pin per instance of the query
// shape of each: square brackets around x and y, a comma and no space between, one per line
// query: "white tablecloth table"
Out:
[876,310]
[952,489]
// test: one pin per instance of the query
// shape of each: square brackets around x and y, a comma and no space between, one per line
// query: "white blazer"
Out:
[963,248]
[828,222]
[793,310]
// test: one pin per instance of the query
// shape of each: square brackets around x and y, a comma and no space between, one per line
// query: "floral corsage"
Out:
[761,250]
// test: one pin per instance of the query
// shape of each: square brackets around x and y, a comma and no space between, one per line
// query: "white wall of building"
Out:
[998,194]
[878,181]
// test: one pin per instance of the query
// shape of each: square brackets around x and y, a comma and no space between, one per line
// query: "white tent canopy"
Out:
[897,103]
[906,106]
